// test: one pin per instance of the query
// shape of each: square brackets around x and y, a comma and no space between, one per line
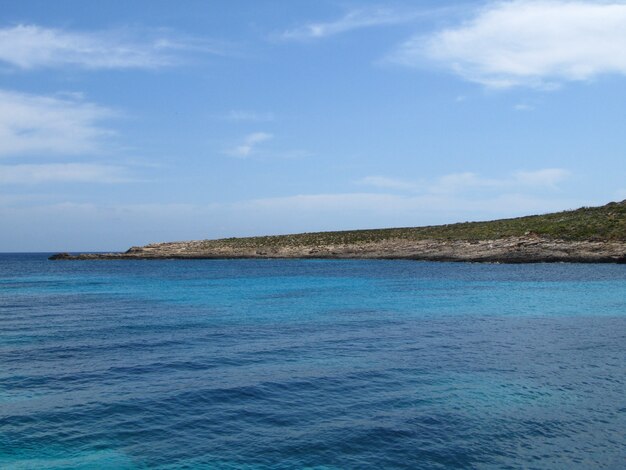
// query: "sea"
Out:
[316,364]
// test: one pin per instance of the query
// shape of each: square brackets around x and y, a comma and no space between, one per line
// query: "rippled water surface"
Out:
[257,364]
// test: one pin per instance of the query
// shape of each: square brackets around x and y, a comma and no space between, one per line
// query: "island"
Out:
[585,235]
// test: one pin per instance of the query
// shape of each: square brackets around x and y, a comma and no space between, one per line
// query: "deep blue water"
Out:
[258,364]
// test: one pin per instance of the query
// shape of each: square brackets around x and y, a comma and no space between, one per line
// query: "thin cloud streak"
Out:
[62,173]
[357,19]
[547,178]
[31,46]
[385,182]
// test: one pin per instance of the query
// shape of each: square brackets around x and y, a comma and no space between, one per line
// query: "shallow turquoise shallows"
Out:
[258,364]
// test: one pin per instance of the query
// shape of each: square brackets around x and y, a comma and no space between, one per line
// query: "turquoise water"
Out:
[259,364]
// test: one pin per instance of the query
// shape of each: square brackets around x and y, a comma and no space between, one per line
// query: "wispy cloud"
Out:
[454,183]
[249,116]
[385,182]
[43,125]
[32,46]
[528,43]
[355,19]
[549,177]
[62,173]
[523,107]
[249,144]
[358,210]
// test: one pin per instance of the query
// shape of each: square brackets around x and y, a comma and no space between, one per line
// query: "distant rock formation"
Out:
[586,235]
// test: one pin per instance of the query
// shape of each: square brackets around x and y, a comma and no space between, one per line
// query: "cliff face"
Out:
[584,235]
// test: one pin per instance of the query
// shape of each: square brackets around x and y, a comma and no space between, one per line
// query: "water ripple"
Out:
[310,364]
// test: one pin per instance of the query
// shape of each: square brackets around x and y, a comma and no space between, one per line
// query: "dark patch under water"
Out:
[257,364]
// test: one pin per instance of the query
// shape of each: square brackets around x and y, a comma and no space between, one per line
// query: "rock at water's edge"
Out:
[61,256]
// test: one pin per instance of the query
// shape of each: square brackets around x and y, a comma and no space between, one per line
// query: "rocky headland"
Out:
[586,235]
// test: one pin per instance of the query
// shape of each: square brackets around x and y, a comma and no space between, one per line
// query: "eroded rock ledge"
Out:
[525,249]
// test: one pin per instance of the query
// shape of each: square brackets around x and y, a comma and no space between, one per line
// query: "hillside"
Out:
[588,234]
[587,223]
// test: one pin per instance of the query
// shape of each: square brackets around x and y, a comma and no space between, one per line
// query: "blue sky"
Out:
[124,123]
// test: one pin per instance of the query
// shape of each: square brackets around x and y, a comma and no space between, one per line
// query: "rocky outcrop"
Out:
[525,249]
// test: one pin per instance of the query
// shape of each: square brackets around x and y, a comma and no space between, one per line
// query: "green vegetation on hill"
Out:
[587,223]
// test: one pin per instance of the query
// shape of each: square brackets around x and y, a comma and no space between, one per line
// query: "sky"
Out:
[124,123]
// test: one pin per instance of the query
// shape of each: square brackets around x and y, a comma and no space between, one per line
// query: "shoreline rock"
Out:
[529,248]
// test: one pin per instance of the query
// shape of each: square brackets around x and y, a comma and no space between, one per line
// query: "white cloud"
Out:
[32,46]
[529,43]
[249,144]
[356,19]
[62,172]
[33,124]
